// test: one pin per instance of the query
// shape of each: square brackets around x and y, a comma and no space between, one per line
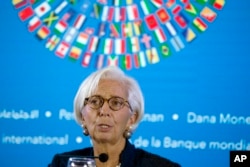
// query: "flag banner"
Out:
[117,32]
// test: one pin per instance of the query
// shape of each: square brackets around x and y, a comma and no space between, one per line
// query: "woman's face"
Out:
[104,124]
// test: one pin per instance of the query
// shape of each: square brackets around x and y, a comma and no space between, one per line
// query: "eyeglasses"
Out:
[115,103]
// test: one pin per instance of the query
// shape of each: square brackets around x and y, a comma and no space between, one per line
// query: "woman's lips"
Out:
[104,127]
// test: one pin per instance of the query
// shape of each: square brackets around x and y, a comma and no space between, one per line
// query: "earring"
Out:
[128,133]
[85,130]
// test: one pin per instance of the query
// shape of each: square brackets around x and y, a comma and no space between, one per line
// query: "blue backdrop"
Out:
[195,78]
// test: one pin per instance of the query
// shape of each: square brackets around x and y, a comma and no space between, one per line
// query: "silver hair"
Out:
[89,85]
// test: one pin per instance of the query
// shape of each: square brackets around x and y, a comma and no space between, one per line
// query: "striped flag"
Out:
[60,27]
[75,52]
[120,46]
[105,13]
[42,9]
[43,32]
[138,27]
[107,46]
[152,55]
[19,3]
[60,7]
[86,59]
[208,14]
[145,7]
[79,21]
[117,2]
[127,29]
[171,28]
[133,44]
[112,60]
[133,12]
[159,35]
[62,49]
[70,35]
[157,3]
[82,40]
[218,4]
[26,13]
[67,17]
[34,23]
[115,29]
[126,62]
[140,59]
[120,14]
[199,24]
[93,44]
[52,42]
[151,21]
[177,43]
[100,61]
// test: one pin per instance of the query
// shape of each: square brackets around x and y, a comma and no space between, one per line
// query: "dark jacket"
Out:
[130,157]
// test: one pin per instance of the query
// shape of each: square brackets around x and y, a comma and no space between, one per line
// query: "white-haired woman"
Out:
[109,106]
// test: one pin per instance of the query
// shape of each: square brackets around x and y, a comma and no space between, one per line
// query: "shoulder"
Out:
[61,159]
[148,159]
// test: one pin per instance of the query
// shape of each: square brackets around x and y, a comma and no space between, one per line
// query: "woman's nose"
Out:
[105,109]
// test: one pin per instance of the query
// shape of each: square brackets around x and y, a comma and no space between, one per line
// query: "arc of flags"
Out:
[133,35]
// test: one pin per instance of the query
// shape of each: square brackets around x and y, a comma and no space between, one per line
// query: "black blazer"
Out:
[130,157]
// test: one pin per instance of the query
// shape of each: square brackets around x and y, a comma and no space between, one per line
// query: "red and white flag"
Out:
[133,12]
[42,9]
[34,23]
[62,49]
[120,46]
[93,44]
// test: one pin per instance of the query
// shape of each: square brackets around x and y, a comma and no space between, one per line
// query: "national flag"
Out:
[208,14]
[171,28]
[107,46]
[151,21]
[60,7]
[86,59]
[112,60]
[133,12]
[146,40]
[191,9]
[140,59]
[157,3]
[101,29]
[145,7]
[26,13]
[199,24]
[170,3]
[126,62]
[159,35]
[202,1]
[52,42]
[189,34]
[218,4]
[70,34]
[60,27]
[181,20]
[111,12]
[82,40]
[165,51]
[79,21]
[177,43]
[75,52]
[127,29]
[19,3]
[163,15]
[115,29]
[176,9]
[117,2]
[50,19]
[34,23]
[97,10]
[152,55]
[134,44]
[120,14]
[67,17]
[43,32]
[100,61]
[93,44]
[105,13]
[138,27]
[120,46]
[62,49]
[42,9]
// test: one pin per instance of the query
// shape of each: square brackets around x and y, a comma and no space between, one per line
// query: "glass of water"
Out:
[81,162]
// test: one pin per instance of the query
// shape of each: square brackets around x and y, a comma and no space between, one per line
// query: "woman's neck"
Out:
[112,149]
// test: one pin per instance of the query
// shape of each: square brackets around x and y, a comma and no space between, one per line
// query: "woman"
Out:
[109,105]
